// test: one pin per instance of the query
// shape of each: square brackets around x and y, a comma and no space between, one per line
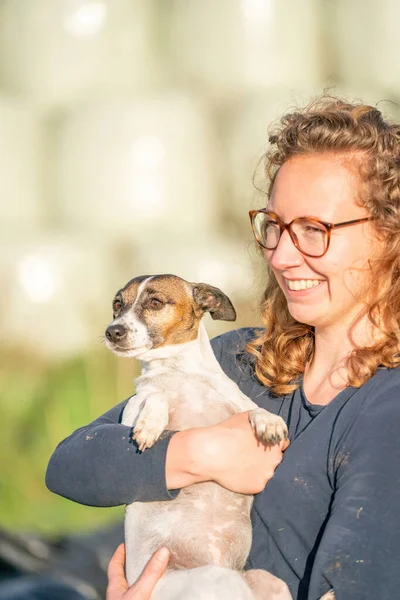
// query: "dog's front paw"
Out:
[146,434]
[268,428]
[151,422]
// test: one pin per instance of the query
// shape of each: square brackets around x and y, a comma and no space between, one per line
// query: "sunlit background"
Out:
[130,131]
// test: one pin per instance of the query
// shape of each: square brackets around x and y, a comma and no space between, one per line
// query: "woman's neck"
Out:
[327,374]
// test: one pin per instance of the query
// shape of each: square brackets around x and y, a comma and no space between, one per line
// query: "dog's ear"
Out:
[210,299]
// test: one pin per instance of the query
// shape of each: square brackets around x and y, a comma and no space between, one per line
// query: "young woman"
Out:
[327,362]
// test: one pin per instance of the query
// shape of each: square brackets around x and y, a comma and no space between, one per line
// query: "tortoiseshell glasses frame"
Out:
[326,228]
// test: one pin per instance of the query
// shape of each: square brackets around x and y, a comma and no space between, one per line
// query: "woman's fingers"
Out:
[118,588]
[117,584]
[152,572]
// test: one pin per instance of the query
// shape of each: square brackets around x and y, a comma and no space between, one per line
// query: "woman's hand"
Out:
[227,453]
[118,588]
[237,460]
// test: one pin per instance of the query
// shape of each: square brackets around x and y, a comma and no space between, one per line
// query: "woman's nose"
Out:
[285,254]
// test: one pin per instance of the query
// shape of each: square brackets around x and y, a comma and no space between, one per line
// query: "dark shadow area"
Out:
[67,568]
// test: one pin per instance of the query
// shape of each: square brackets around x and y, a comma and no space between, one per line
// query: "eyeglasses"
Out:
[310,236]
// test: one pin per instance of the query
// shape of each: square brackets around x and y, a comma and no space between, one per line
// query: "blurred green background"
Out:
[130,131]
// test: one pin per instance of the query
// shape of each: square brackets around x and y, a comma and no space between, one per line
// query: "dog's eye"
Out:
[156,304]
[117,305]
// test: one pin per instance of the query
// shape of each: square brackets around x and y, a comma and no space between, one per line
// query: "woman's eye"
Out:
[268,225]
[156,304]
[269,228]
[310,229]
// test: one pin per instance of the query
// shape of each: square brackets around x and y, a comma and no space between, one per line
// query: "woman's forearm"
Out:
[99,465]
[185,462]
[227,453]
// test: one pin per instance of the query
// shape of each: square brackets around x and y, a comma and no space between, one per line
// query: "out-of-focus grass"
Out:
[41,404]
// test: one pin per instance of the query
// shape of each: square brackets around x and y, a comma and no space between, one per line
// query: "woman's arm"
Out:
[359,552]
[227,453]
[99,465]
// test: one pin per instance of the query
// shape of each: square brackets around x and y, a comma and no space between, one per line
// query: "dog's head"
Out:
[162,310]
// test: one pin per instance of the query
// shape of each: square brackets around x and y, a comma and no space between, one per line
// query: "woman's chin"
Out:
[306,315]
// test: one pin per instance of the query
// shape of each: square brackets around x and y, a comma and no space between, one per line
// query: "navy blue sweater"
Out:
[329,518]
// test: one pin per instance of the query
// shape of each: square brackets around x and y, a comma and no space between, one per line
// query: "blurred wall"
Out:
[129,134]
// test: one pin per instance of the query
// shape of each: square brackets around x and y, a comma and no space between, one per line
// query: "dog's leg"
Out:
[152,420]
[266,586]
[132,411]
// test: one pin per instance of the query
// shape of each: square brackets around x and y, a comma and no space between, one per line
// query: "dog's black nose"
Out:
[115,333]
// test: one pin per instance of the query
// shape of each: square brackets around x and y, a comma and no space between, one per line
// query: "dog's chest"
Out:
[195,400]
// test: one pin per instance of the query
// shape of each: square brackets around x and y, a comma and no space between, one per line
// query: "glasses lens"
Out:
[312,237]
[266,230]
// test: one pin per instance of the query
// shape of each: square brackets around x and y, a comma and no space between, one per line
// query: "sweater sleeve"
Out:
[359,551]
[99,465]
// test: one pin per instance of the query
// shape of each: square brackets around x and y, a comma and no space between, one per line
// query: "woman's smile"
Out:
[301,284]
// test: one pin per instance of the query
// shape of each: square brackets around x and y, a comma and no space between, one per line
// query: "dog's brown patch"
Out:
[177,322]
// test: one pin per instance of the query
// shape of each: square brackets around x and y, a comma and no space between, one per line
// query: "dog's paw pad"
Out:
[268,428]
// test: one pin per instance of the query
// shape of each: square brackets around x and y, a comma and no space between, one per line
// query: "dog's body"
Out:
[206,528]
[206,523]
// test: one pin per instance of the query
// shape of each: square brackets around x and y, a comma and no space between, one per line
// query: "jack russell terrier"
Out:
[207,527]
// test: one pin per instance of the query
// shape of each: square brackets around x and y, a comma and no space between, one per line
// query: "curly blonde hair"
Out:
[331,125]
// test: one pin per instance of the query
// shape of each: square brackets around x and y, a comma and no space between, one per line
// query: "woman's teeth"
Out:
[302,284]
